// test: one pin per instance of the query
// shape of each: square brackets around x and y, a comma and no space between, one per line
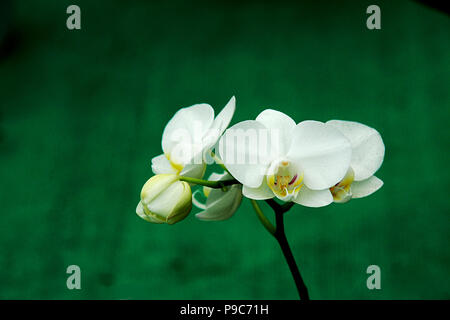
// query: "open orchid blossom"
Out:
[273,156]
[220,204]
[188,136]
[367,157]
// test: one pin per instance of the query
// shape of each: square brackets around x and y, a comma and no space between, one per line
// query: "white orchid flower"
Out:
[188,136]
[220,205]
[367,157]
[273,156]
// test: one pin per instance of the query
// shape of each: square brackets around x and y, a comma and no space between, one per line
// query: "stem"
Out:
[211,184]
[219,162]
[266,223]
[280,235]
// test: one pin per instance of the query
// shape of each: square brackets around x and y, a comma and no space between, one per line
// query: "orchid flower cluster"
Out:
[309,163]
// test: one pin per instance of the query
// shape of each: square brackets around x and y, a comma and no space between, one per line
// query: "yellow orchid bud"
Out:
[165,199]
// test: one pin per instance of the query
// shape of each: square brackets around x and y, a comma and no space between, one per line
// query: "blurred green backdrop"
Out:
[82,113]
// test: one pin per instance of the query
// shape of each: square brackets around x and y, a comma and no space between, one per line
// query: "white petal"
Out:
[194,170]
[263,192]
[367,147]
[187,128]
[221,205]
[155,186]
[322,152]
[219,176]
[196,202]
[244,151]
[216,177]
[140,212]
[366,187]
[220,123]
[165,202]
[160,164]
[313,198]
[281,126]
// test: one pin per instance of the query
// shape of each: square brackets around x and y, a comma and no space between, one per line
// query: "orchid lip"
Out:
[341,191]
[284,179]
[293,179]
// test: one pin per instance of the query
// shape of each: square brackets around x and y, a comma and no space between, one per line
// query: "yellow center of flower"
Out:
[342,190]
[284,179]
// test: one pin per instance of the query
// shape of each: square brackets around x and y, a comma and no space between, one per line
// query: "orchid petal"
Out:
[220,123]
[244,153]
[322,152]
[313,198]
[219,176]
[366,187]
[158,185]
[160,164]
[281,126]
[263,192]
[183,134]
[367,147]
[163,205]
[141,213]
[221,205]
[194,170]
[196,202]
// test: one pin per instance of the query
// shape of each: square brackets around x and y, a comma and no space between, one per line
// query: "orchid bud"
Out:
[165,199]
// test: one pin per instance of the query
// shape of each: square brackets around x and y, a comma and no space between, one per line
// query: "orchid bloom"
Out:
[367,157]
[273,156]
[310,163]
[188,136]
[220,204]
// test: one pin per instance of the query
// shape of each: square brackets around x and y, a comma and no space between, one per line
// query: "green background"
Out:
[82,113]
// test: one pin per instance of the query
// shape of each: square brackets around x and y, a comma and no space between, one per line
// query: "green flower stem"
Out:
[219,162]
[211,184]
[280,235]
[266,223]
